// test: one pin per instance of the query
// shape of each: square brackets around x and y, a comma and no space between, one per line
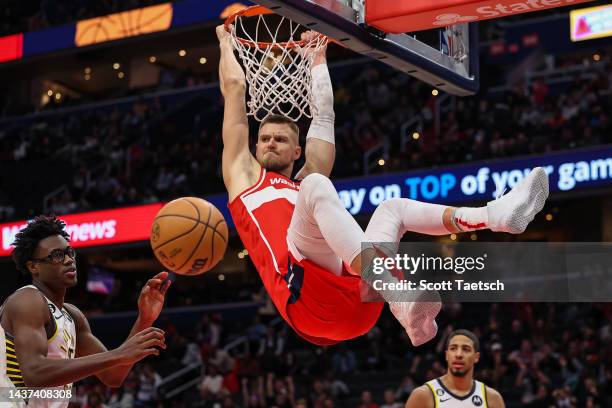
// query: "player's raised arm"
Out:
[320,150]
[236,154]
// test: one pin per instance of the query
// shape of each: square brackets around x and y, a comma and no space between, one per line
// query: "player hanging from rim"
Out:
[305,245]
[47,342]
[457,388]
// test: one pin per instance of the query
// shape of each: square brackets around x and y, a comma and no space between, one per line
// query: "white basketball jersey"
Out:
[5,382]
[444,398]
[61,345]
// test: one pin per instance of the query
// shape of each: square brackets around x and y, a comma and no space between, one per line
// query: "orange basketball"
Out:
[189,236]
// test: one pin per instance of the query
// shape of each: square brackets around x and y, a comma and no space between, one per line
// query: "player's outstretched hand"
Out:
[223,36]
[142,344]
[310,37]
[152,296]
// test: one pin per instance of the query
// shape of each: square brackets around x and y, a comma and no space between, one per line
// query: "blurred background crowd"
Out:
[543,355]
[138,121]
[148,149]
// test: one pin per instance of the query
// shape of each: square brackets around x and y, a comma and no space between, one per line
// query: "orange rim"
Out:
[257,10]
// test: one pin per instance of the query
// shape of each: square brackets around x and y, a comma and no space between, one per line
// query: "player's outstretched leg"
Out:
[393,218]
[323,231]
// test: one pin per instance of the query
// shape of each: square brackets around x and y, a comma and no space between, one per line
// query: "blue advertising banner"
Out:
[479,182]
[49,40]
[567,171]
[571,171]
[195,11]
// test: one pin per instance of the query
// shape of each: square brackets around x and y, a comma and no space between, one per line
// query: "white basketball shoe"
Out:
[515,210]
[418,318]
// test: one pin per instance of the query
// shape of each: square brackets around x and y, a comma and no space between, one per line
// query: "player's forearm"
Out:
[319,60]
[320,140]
[231,74]
[114,376]
[233,88]
[47,372]
[323,100]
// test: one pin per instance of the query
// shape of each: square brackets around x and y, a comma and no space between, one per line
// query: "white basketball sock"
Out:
[393,218]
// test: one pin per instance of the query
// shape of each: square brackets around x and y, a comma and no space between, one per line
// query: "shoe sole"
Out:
[421,327]
[427,314]
[525,212]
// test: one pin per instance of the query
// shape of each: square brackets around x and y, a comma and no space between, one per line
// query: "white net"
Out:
[277,73]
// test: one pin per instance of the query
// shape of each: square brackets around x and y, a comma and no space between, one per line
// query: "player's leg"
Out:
[509,213]
[321,229]
[324,232]
[393,218]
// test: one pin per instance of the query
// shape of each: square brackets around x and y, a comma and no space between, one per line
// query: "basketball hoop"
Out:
[277,72]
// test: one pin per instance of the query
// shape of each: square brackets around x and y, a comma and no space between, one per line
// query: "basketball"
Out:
[189,236]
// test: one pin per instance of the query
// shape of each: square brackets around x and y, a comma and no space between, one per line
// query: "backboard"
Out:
[452,68]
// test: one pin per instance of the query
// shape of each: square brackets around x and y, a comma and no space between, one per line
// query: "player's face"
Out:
[277,147]
[53,263]
[461,356]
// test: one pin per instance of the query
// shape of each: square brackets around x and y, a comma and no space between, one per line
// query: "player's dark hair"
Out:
[28,238]
[462,332]
[281,120]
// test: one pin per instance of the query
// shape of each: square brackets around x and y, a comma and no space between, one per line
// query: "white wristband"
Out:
[322,125]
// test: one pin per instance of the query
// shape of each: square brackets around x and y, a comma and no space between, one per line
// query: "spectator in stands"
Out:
[390,402]
[80,397]
[524,120]
[366,400]
[209,331]
[212,384]
[344,360]
[193,355]
[149,380]
[7,211]
[564,399]
[405,388]
[273,343]
[218,357]
[542,398]
[336,387]
[95,401]
[318,393]
[253,395]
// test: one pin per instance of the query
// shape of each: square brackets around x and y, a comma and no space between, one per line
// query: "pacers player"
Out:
[304,244]
[457,388]
[47,342]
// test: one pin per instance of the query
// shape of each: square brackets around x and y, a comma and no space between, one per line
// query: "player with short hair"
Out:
[305,245]
[47,342]
[457,388]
